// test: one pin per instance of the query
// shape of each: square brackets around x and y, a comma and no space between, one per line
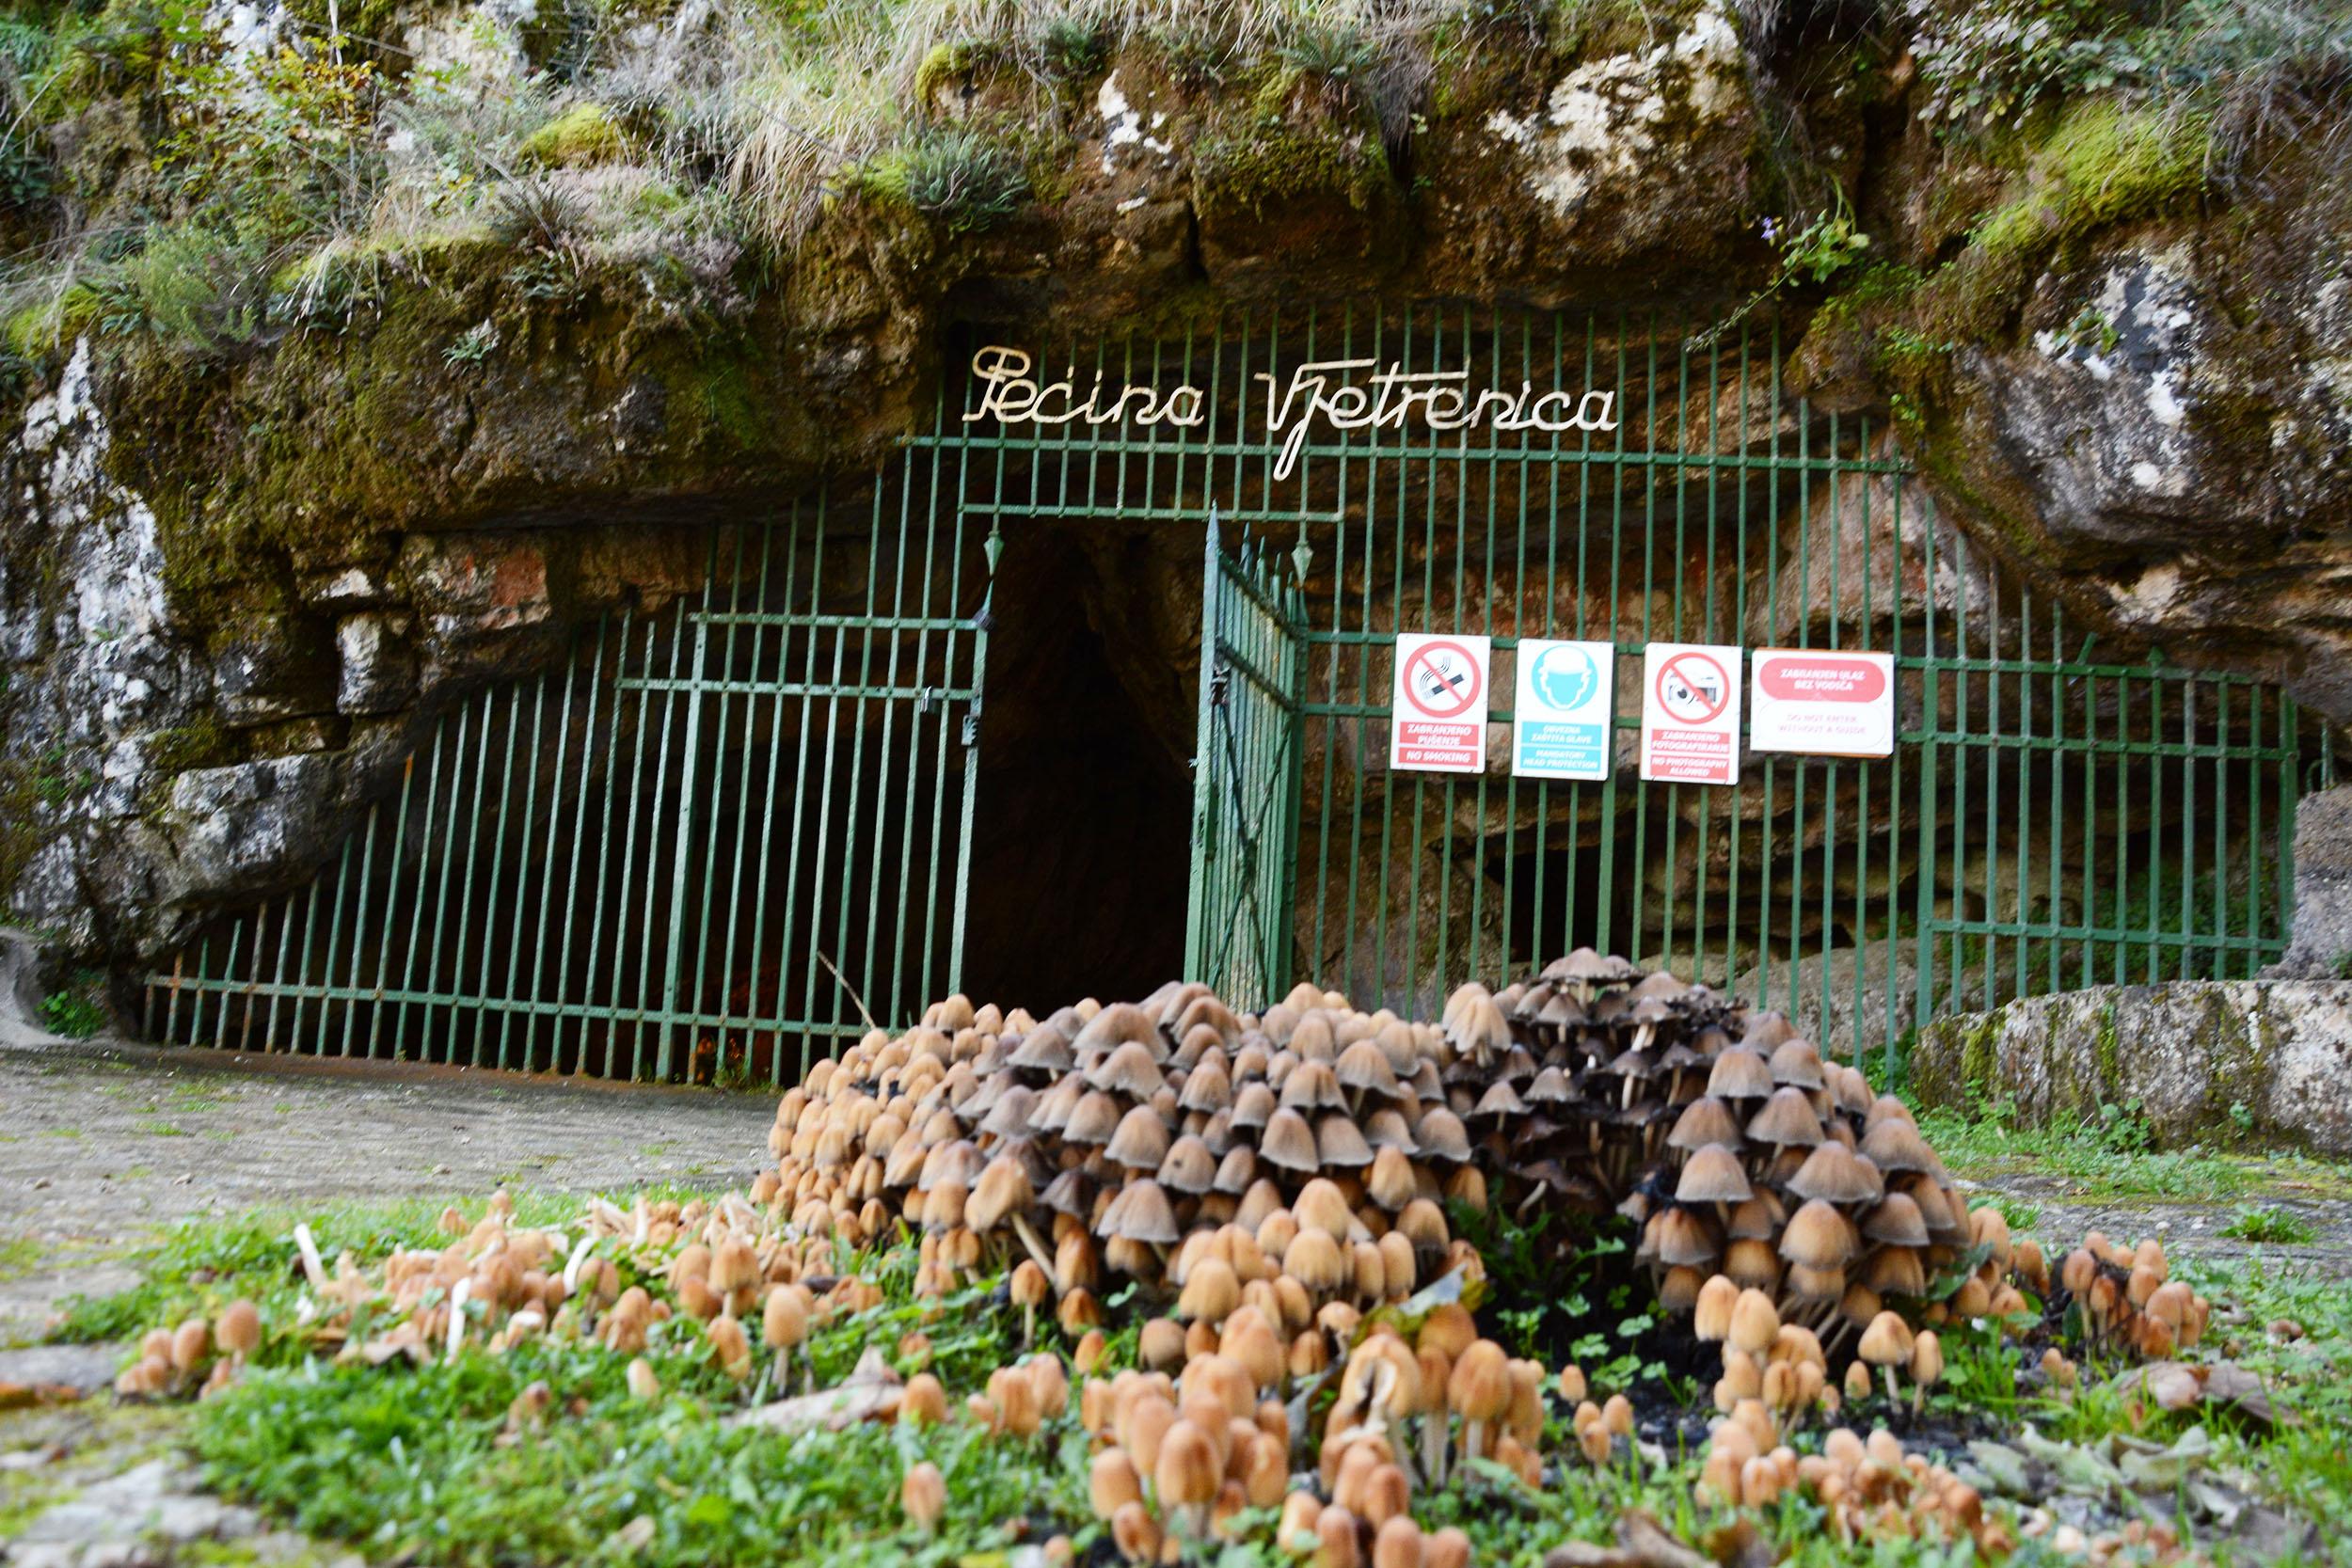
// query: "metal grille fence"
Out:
[2059,810]
[725,835]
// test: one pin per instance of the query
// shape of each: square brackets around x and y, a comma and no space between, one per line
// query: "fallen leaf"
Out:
[1642,1542]
[870,1392]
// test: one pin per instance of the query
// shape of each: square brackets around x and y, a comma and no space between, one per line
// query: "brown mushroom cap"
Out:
[1713,1175]
[1120,1023]
[1682,1236]
[1787,1121]
[1760,1218]
[1441,1135]
[1895,1145]
[1313,1086]
[1208,1086]
[1767,1030]
[1044,1050]
[1288,1143]
[1796,1062]
[1004,1189]
[1386,1128]
[1887,1342]
[1894,1270]
[1312,1039]
[1499,1101]
[1094,1120]
[1739,1074]
[1364,1068]
[1141,1141]
[1340,1144]
[1818,1237]
[1254,1104]
[1897,1220]
[1141,1213]
[1188,1166]
[1704,1122]
[1236,1171]
[1010,1115]
[1833,1175]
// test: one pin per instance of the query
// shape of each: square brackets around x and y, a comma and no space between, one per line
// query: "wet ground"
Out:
[101,1145]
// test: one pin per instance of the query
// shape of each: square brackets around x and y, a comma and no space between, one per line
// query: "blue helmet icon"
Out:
[1566,677]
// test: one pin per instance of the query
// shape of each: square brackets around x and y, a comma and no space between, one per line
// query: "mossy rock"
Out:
[2103,164]
[582,136]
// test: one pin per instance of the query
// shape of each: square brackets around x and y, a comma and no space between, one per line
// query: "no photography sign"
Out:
[1437,711]
[1691,713]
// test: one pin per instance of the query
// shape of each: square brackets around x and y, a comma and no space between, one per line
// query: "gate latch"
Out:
[924,697]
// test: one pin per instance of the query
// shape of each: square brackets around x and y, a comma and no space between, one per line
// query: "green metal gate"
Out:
[1247,774]
[730,833]
[735,827]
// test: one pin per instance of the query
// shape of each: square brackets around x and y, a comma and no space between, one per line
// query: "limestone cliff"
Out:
[272,507]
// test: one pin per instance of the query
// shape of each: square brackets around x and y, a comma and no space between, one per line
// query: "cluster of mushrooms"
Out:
[2128,1299]
[1277,1187]
[1870,1488]
[1178,1457]
[199,1355]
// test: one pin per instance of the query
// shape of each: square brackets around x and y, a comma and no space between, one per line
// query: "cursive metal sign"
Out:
[1338,390]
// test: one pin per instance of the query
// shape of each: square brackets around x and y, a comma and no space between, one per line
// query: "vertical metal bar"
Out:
[555,835]
[428,844]
[716,1018]
[611,1012]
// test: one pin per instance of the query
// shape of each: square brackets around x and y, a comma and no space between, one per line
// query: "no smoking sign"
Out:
[1438,706]
[1691,713]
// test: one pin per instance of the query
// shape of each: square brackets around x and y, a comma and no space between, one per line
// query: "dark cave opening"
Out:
[1080,842]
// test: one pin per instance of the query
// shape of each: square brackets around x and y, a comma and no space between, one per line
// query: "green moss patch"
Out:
[580,137]
[2103,164]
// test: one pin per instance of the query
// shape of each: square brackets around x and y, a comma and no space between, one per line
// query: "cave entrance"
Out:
[934,728]
[1078,858]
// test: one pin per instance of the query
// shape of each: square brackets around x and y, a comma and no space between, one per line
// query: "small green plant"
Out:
[2122,1129]
[74,1010]
[1812,255]
[1072,47]
[467,351]
[2268,1222]
[957,175]
[1335,55]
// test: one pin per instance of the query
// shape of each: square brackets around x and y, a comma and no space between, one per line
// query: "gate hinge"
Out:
[1220,677]
[972,726]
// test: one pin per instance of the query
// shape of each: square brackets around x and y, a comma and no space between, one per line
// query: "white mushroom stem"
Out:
[572,1264]
[1433,1447]
[1029,1241]
[458,1292]
[1893,1394]
[312,1269]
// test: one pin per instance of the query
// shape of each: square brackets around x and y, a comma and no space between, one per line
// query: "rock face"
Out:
[236,587]
[2201,1060]
[2320,940]
[2166,438]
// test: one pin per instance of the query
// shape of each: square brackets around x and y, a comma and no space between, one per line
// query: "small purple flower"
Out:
[1771,230]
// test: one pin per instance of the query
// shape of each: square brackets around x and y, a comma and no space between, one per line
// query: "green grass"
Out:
[19,1256]
[420,1464]
[204,1263]
[2264,1222]
[2109,1161]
